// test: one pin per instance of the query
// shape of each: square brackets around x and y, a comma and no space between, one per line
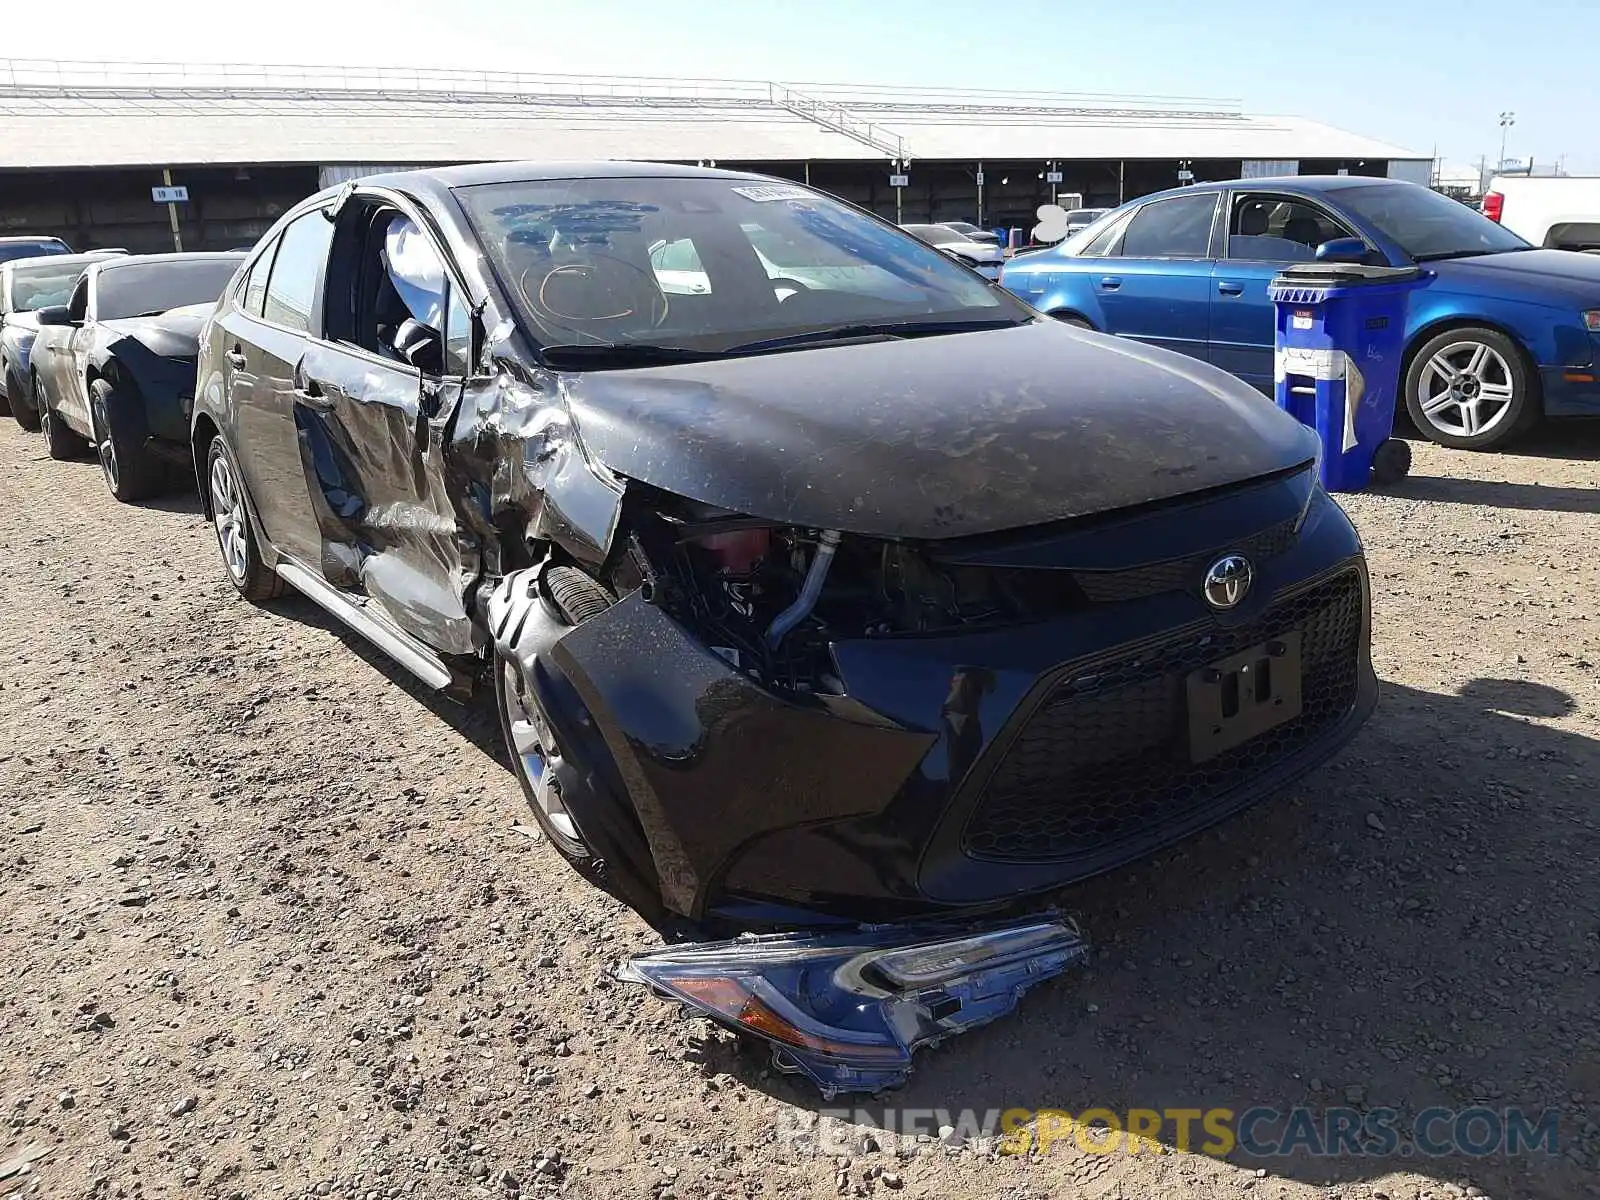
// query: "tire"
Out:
[576,595]
[117,415]
[618,860]
[230,518]
[22,410]
[63,442]
[1072,319]
[5,401]
[1471,389]
[1391,463]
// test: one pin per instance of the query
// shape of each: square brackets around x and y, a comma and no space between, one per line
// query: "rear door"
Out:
[1265,232]
[263,333]
[1156,284]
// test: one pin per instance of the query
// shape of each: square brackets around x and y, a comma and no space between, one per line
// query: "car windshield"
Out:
[710,265]
[1425,224]
[938,235]
[40,286]
[139,289]
[32,249]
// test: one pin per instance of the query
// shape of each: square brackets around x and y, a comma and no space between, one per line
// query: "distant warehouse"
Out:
[83,145]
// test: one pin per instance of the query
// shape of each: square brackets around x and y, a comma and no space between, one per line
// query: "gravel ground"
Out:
[269,926]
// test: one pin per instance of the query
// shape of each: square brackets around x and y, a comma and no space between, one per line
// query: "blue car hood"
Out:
[1544,272]
[937,437]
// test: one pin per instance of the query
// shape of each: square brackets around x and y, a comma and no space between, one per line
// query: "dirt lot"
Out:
[266,927]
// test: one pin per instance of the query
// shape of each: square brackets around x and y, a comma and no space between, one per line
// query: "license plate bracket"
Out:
[1243,696]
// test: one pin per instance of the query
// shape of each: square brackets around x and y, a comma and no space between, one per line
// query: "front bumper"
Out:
[964,771]
[1571,391]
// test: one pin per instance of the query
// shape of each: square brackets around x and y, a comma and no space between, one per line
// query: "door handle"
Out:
[312,396]
[1110,283]
[1228,288]
[309,392]
[236,359]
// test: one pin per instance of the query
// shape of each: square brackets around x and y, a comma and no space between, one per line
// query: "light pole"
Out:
[1507,120]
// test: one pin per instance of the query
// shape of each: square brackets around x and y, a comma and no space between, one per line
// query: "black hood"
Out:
[172,334]
[936,437]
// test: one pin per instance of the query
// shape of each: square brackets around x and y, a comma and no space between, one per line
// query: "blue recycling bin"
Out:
[1340,336]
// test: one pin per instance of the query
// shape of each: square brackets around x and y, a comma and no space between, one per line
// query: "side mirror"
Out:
[420,345]
[55,314]
[1342,250]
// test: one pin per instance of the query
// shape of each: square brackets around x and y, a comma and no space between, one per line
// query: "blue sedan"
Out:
[1499,334]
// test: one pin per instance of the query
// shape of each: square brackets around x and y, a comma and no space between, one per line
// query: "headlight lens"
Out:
[1591,320]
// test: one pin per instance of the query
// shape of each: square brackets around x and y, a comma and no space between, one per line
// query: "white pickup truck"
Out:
[1559,211]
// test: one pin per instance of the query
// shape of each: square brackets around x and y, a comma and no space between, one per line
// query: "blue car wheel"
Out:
[1471,388]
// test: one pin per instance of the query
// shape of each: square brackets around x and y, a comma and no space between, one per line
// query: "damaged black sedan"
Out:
[817,579]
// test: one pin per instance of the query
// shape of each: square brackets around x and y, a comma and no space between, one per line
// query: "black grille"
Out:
[1105,756]
[1175,574]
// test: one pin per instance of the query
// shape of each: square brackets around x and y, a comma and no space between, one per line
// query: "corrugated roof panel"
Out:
[88,127]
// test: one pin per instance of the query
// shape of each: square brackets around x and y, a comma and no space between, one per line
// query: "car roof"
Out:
[472,174]
[13,239]
[59,260]
[1308,185]
[133,260]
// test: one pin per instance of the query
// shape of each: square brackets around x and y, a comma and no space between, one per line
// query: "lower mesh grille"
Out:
[1105,756]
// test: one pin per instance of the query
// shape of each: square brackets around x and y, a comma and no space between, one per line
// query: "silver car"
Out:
[27,285]
[985,258]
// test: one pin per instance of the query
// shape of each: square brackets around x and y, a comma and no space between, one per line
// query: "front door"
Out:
[373,420]
[1265,233]
[1157,286]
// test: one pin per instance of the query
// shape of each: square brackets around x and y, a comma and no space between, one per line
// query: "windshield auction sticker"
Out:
[772,191]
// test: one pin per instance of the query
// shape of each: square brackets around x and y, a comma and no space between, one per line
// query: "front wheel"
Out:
[62,441]
[131,472]
[252,578]
[1471,389]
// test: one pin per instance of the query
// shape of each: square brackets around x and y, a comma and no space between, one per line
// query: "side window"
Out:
[254,295]
[78,305]
[1103,242]
[457,335]
[1179,227]
[1278,229]
[297,270]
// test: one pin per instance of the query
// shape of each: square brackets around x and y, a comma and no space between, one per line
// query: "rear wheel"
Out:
[1072,319]
[1472,389]
[22,411]
[253,579]
[63,442]
[131,472]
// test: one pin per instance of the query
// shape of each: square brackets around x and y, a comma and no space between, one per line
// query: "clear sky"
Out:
[1421,73]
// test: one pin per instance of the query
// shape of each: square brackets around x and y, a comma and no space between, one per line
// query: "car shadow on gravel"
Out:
[1496,494]
[473,718]
[1415,927]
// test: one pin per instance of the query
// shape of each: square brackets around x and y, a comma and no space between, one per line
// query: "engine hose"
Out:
[816,576]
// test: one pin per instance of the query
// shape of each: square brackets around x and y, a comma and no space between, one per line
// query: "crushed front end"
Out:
[782,726]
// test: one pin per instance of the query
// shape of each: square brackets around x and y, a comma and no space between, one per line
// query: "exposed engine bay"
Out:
[770,597]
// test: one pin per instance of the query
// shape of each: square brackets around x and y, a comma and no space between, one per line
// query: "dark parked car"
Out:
[983,257]
[872,599]
[31,246]
[27,285]
[113,368]
[1498,334]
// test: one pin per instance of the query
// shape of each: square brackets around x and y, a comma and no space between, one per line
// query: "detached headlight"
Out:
[1591,320]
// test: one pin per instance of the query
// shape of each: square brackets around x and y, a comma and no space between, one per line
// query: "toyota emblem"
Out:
[1228,581]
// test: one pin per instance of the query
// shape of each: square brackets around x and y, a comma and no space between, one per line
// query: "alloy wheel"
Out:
[1466,389]
[229,517]
[105,449]
[537,758]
